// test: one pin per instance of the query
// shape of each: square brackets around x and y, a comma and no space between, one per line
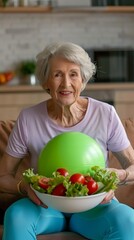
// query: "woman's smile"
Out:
[65,93]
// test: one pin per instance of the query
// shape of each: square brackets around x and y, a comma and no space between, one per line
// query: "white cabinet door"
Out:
[73,3]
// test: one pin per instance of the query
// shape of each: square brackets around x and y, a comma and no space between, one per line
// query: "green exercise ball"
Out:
[74,151]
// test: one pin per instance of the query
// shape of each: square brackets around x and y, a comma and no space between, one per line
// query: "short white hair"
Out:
[69,51]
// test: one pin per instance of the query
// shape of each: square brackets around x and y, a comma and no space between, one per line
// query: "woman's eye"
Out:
[74,74]
[58,75]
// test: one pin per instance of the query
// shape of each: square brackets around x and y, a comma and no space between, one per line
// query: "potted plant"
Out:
[4,2]
[27,72]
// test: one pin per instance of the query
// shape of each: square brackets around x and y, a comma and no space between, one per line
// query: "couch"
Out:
[124,194]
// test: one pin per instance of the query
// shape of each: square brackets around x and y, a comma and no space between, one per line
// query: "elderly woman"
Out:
[63,70]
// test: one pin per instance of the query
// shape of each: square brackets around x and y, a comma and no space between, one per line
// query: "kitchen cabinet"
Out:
[14,98]
[49,9]
[30,9]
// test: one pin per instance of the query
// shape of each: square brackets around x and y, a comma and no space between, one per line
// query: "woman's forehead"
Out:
[58,62]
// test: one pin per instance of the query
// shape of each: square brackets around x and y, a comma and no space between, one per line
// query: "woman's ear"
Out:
[44,85]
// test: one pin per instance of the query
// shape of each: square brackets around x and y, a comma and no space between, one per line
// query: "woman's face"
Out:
[64,82]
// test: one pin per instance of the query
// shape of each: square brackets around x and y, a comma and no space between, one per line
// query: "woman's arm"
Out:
[8,168]
[8,182]
[126,175]
[126,159]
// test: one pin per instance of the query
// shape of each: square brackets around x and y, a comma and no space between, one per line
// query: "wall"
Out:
[22,36]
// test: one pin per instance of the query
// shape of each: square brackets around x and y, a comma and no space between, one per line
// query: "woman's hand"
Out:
[122,175]
[31,194]
[108,197]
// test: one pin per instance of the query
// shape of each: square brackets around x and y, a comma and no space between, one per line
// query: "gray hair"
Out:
[69,51]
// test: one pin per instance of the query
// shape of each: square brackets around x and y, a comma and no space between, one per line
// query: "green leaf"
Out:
[30,177]
[108,178]
[76,189]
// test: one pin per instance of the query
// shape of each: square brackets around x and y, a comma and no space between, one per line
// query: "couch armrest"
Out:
[6,127]
[129,127]
[5,130]
[124,194]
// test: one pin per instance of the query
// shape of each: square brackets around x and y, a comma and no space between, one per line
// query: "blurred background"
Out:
[104,28]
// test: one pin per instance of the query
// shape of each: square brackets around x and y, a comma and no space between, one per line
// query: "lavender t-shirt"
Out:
[34,128]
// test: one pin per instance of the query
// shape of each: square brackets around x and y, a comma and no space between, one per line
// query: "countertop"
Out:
[89,87]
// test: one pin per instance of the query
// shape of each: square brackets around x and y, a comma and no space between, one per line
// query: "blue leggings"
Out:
[113,221]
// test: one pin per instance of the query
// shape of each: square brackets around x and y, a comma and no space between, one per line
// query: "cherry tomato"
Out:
[77,178]
[62,171]
[59,190]
[92,186]
[88,178]
[9,75]
[44,182]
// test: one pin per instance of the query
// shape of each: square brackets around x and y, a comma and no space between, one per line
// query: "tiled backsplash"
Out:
[22,36]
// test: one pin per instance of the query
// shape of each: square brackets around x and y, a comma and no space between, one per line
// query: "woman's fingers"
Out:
[108,197]
[31,194]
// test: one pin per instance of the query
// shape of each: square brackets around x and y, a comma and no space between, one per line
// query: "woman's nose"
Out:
[66,81]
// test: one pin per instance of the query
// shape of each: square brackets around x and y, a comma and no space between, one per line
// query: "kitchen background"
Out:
[24,34]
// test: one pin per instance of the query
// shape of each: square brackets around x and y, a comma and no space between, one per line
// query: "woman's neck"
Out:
[67,116]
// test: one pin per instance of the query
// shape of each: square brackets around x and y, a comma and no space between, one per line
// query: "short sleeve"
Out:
[17,143]
[117,137]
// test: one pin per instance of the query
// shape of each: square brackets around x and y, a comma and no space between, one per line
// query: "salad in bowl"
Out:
[72,193]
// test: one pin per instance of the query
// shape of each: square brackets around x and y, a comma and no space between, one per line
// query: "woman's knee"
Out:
[25,214]
[18,211]
[122,214]
[109,219]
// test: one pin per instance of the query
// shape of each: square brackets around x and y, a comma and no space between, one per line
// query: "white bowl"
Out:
[70,204]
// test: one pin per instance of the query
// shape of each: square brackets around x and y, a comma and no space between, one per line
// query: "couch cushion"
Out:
[61,236]
[129,127]
[125,194]
[7,199]
[5,129]
[55,236]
